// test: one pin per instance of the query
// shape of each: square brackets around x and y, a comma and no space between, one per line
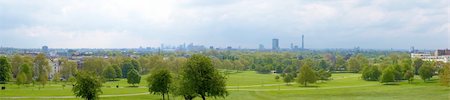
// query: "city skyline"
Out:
[380,24]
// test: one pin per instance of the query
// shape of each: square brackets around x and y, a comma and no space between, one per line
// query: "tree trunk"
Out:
[163,96]
[203,97]
[168,96]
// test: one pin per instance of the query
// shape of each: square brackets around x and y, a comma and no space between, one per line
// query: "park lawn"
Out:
[248,85]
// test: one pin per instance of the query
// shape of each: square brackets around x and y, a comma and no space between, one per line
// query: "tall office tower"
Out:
[292,46]
[275,44]
[303,42]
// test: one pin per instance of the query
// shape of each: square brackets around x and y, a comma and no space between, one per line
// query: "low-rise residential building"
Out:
[438,55]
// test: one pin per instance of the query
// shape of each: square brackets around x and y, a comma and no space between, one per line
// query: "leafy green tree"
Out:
[56,77]
[27,70]
[110,73]
[159,81]
[340,63]
[444,75]
[43,68]
[68,68]
[324,65]
[199,77]
[417,63]
[409,75]
[397,72]
[128,65]
[95,64]
[371,73]
[133,77]
[426,71]
[388,75]
[118,71]
[288,78]
[21,78]
[353,65]
[87,86]
[307,74]
[5,70]
[16,63]
[277,77]
[323,75]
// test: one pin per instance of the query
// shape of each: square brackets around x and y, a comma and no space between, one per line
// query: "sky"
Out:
[371,24]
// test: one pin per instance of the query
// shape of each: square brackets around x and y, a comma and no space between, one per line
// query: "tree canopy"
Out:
[199,77]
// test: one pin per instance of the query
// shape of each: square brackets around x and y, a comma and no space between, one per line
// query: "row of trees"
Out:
[198,78]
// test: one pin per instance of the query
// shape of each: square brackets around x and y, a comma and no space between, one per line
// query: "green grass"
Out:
[248,85]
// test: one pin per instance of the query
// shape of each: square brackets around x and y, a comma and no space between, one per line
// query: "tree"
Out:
[87,86]
[26,69]
[307,74]
[56,77]
[109,73]
[21,78]
[388,75]
[340,63]
[371,73]
[417,63]
[128,65]
[118,71]
[288,78]
[409,75]
[277,77]
[426,71]
[159,81]
[324,65]
[323,75]
[96,65]
[353,65]
[16,63]
[42,69]
[5,70]
[133,77]
[68,68]
[199,77]
[444,75]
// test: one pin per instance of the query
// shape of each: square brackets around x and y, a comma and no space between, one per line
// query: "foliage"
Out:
[288,78]
[159,81]
[133,77]
[5,70]
[68,68]
[371,73]
[129,65]
[307,74]
[43,68]
[417,63]
[87,86]
[426,71]
[444,75]
[409,75]
[199,77]
[388,75]
[27,70]
[110,73]
[21,78]
[323,75]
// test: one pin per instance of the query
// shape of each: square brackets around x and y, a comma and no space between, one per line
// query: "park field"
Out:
[248,85]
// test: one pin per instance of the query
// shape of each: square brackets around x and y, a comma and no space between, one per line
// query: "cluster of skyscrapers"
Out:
[276,45]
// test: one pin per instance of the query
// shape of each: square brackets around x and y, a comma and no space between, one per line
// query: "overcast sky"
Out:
[377,24]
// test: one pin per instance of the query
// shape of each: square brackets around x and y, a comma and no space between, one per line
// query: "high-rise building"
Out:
[261,47]
[45,49]
[292,46]
[275,44]
[303,42]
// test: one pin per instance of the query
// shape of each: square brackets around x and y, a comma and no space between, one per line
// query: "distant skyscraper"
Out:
[45,49]
[261,47]
[275,44]
[303,42]
[292,46]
